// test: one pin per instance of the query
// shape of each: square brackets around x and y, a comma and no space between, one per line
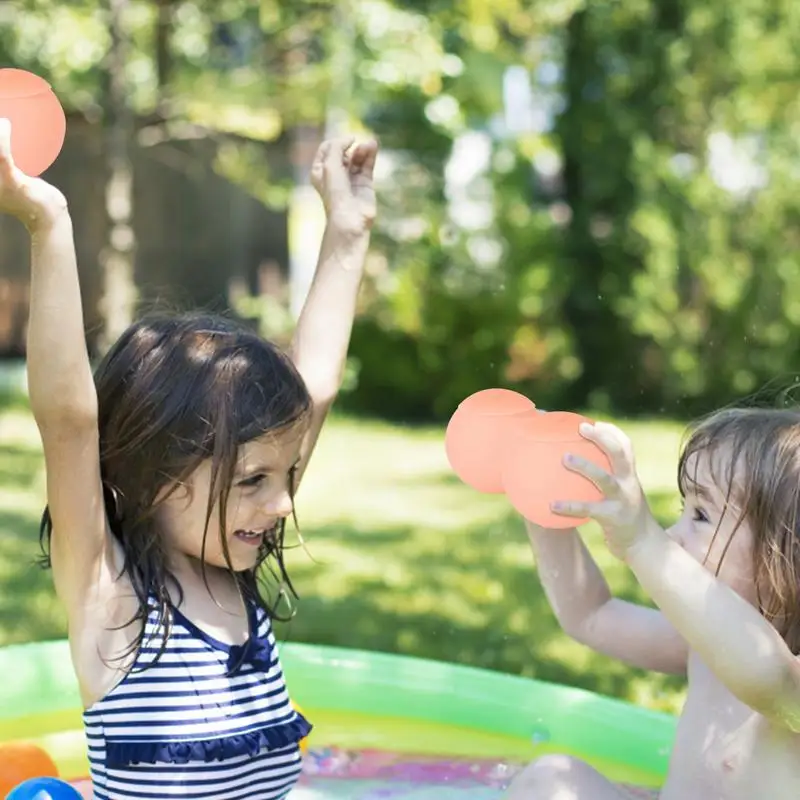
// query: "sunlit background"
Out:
[594,204]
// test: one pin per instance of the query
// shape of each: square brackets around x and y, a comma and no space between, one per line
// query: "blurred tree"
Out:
[631,248]
[676,143]
[118,303]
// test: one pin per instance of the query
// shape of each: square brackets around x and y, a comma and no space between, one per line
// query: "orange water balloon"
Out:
[533,471]
[21,761]
[478,432]
[38,123]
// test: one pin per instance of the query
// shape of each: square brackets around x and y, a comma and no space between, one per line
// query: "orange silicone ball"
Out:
[38,123]
[534,475]
[478,433]
[21,761]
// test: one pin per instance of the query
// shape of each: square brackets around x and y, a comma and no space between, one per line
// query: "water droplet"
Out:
[541,736]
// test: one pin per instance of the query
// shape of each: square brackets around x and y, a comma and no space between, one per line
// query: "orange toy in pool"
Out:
[20,761]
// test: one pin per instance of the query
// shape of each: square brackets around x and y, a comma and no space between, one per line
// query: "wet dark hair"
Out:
[174,391]
[754,458]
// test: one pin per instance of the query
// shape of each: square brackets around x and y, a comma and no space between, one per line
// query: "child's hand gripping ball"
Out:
[534,473]
[497,441]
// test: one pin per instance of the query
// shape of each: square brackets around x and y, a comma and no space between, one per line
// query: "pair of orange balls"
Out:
[497,442]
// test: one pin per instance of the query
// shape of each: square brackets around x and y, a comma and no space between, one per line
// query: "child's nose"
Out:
[282,506]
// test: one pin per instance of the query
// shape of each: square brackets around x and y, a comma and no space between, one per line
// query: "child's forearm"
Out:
[574,585]
[60,382]
[322,336]
[731,637]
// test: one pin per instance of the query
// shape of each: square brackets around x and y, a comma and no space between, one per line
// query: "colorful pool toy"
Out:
[44,789]
[384,725]
[20,761]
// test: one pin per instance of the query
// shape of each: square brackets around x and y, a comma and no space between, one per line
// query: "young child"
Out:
[726,580]
[170,475]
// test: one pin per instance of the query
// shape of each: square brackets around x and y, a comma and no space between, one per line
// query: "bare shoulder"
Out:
[103,624]
[86,558]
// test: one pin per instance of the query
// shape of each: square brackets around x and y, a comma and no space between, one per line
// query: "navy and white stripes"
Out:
[206,721]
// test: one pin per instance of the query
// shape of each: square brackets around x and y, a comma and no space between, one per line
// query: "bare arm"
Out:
[322,336]
[62,393]
[64,404]
[319,348]
[60,380]
[585,609]
[729,634]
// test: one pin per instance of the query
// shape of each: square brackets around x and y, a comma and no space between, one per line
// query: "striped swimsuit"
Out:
[207,721]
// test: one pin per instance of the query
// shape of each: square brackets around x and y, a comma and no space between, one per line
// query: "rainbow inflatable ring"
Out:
[384,725]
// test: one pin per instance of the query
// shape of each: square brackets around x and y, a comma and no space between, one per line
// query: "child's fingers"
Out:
[6,162]
[606,483]
[578,508]
[605,512]
[335,150]
[318,165]
[362,157]
[322,153]
[334,158]
[613,442]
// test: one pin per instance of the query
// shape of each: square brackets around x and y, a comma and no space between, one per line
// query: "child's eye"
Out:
[253,480]
[699,515]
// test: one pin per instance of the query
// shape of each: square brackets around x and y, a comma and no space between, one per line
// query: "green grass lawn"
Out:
[399,557]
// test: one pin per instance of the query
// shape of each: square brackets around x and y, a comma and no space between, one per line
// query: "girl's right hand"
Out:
[33,201]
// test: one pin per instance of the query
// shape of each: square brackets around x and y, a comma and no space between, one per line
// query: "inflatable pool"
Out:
[385,726]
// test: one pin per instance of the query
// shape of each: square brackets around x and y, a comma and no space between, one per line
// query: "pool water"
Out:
[334,773]
[392,776]
[332,789]
[380,775]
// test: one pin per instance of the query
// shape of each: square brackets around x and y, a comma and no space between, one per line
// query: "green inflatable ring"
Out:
[361,700]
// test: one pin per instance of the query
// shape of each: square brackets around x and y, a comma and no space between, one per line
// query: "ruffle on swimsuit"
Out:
[276,733]
[272,737]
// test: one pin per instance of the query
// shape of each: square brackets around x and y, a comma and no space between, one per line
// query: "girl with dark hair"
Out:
[170,474]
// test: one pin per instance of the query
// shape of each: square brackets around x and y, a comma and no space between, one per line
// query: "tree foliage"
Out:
[635,248]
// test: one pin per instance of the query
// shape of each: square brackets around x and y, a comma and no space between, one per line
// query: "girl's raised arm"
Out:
[343,177]
[60,384]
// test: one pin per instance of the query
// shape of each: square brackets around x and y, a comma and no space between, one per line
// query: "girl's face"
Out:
[707,528]
[259,498]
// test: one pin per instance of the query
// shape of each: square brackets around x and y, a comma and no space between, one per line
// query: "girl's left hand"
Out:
[623,513]
[342,174]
